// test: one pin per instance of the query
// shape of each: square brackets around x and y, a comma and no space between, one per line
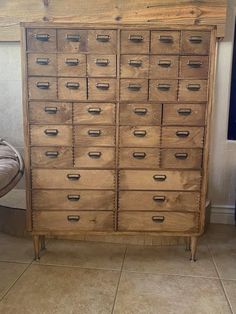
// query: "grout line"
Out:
[14,262]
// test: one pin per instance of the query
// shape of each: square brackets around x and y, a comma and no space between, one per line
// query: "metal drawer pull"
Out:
[166,39]
[94,111]
[134,87]
[194,63]
[194,87]
[103,38]
[43,85]
[102,62]
[164,63]
[136,38]
[195,39]
[158,219]
[51,132]
[103,86]
[42,37]
[139,155]
[72,62]
[94,133]
[73,218]
[73,37]
[135,63]
[42,61]
[95,155]
[51,110]
[140,133]
[72,85]
[182,133]
[52,154]
[184,112]
[73,177]
[159,177]
[163,87]
[181,156]
[140,111]
[159,198]
[73,198]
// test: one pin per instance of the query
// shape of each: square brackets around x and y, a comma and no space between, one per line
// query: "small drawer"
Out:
[73,179]
[193,90]
[42,64]
[41,40]
[94,157]
[160,180]
[71,64]
[101,65]
[47,135]
[50,112]
[72,89]
[102,41]
[51,157]
[101,89]
[139,136]
[134,66]
[42,88]
[181,158]
[195,42]
[73,200]
[175,137]
[94,135]
[164,67]
[165,42]
[194,67]
[163,221]
[159,201]
[73,221]
[133,89]
[135,41]
[94,113]
[140,114]
[184,114]
[139,157]
[72,40]
[163,90]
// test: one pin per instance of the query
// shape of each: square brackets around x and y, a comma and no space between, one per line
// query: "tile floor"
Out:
[78,277]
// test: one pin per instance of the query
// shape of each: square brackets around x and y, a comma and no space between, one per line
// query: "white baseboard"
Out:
[222,214]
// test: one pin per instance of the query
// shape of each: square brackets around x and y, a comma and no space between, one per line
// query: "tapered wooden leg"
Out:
[42,242]
[193,246]
[187,244]
[36,240]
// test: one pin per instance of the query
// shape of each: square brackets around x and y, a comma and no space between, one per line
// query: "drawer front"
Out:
[73,221]
[73,200]
[72,89]
[101,89]
[160,180]
[195,42]
[163,66]
[47,135]
[194,67]
[42,64]
[139,158]
[42,88]
[51,157]
[165,42]
[139,136]
[163,221]
[140,114]
[73,179]
[102,41]
[193,90]
[134,66]
[94,113]
[181,158]
[101,65]
[94,157]
[72,40]
[159,201]
[133,89]
[135,41]
[175,137]
[50,112]
[184,114]
[41,39]
[71,64]
[163,90]
[91,135]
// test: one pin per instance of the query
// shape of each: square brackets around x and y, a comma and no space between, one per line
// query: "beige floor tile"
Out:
[162,294]
[52,289]
[230,288]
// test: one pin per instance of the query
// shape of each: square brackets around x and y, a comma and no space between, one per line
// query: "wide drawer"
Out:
[181,158]
[72,40]
[160,180]
[165,42]
[135,41]
[94,157]
[139,157]
[174,137]
[41,39]
[101,89]
[94,135]
[42,87]
[164,67]
[140,136]
[71,64]
[134,66]
[133,89]
[42,64]
[194,67]
[72,88]
[47,135]
[102,41]
[195,42]
[163,90]
[193,90]
[101,65]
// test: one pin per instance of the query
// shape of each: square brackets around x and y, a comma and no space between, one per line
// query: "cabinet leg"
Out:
[36,240]
[42,242]
[193,246]
[187,244]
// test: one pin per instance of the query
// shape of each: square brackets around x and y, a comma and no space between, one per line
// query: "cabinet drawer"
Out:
[42,88]
[72,89]
[195,42]
[182,137]
[44,135]
[73,199]
[102,89]
[139,157]
[102,41]
[133,89]
[73,179]
[181,158]
[73,221]
[184,114]
[163,66]
[135,41]
[42,64]
[50,112]
[194,67]
[101,65]
[71,64]
[94,157]
[134,66]
[193,90]
[160,180]
[93,135]
[140,114]
[159,201]
[163,90]
[51,157]
[94,113]
[163,221]
[140,136]
[165,42]
[41,39]
[72,40]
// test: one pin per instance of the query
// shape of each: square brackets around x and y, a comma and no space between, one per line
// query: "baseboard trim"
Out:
[222,214]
